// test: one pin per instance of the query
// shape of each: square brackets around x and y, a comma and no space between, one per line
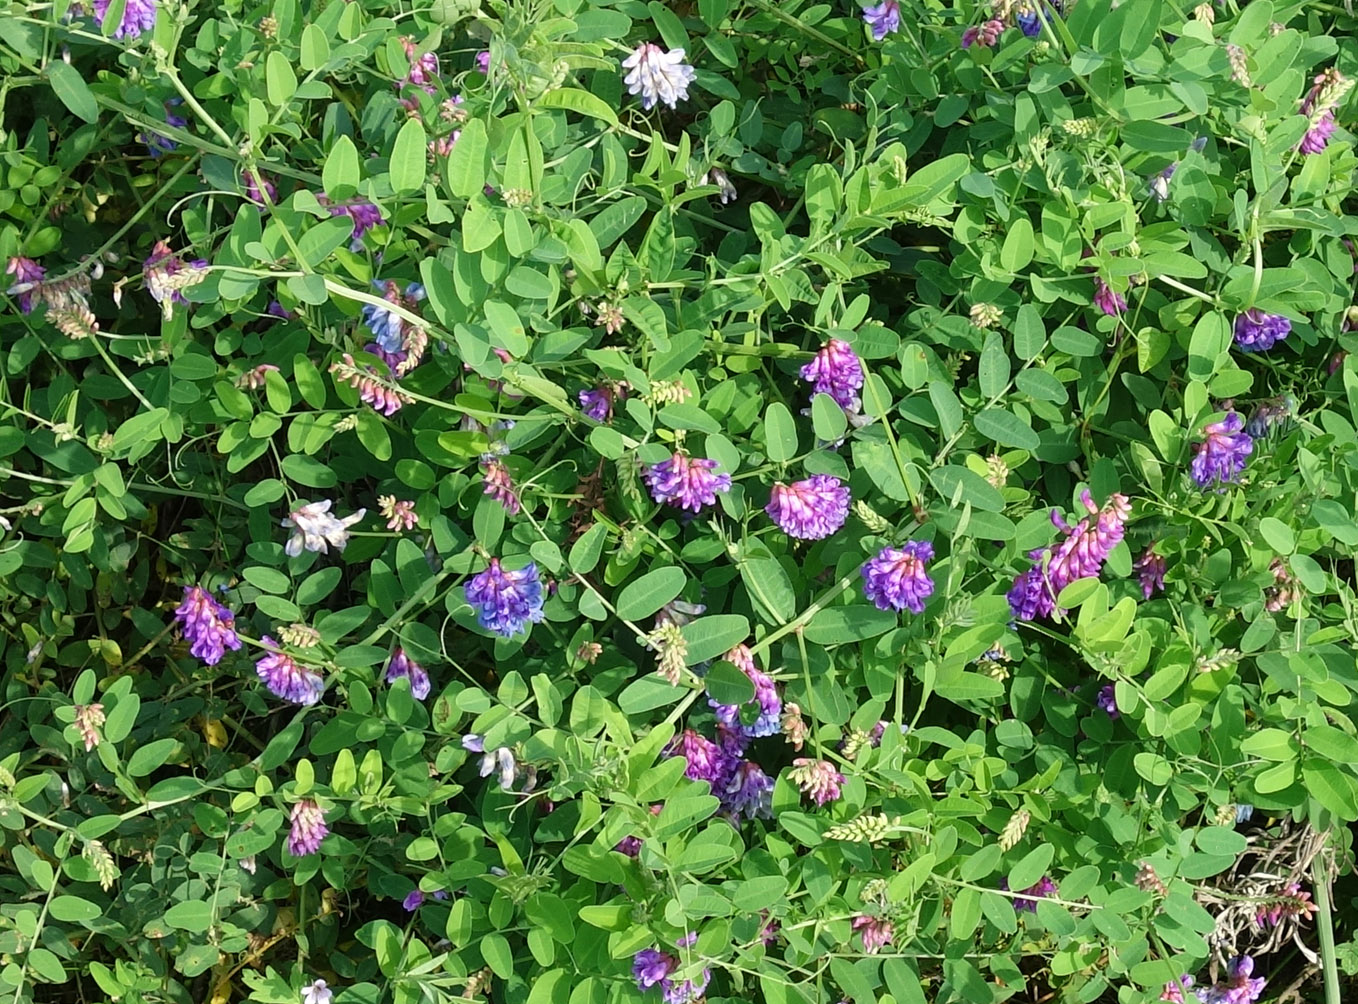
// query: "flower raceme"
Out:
[308,828]
[1079,556]
[812,509]
[315,528]
[883,19]
[506,602]
[286,678]
[401,665]
[1256,331]
[1220,458]
[687,482]
[658,76]
[208,626]
[836,370]
[897,580]
[139,16]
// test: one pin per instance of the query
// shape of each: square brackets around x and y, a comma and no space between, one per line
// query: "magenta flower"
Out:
[413,901]
[506,602]
[817,779]
[1294,902]
[208,626]
[1220,458]
[308,828]
[1239,986]
[706,761]
[258,185]
[811,509]
[1079,556]
[401,665]
[987,33]
[650,966]
[483,63]
[896,579]
[1027,898]
[1318,135]
[687,482]
[836,370]
[382,397]
[1256,331]
[597,402]
[500,485]
[424,69]
[399,513]
[877,932]
[1174,991]
[286,678]
[1110,302]
[1328,88]
[1150,568]
[883,19]
[138,16]
[27,275]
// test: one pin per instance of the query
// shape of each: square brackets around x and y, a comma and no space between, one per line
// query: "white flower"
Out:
[314,529]
[502,760]
[658,75]
[317,993]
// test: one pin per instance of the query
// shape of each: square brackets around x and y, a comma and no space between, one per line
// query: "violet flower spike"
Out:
[748,793]
[1256,331]
[836,370]
[812,509]
[1107,299]
[1150,569]
[1080,555]
[705,760]
[883,19]
[896,578]
[658,76]
[401,665]
[687,482]
[28,274]
[286,678]
[1239,986]
[1174,991]
[139,16]
[1220,458]
[506,602]
[308,828]
[208,626]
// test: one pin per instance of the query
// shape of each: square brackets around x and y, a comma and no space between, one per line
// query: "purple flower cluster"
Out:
[138,16]
[1107,701]
[401,665]
[1256,331]
[883,19]
[1107,299]
[506,602]
[1174,992]
[987,33]
[897,580]
[416,898]
[687,482]
[364,214]
[748,793]
[1150,569]
[1239,987]
[500,485]
[286,678]
[208,626]
[1028,16]
[1079,556]
[1318,106]
[652,966]
[765,695]
[741,785]
[836,370]
[27,274]
[877,932]
[597,402]
[811,509]
[156,144]
[391,332]
[167,275]
[1220,458]
[1027,898]
[705,760]
[308,828]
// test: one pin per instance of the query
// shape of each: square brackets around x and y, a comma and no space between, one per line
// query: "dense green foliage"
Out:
[951,213]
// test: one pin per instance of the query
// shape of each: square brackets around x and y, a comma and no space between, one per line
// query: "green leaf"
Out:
[280,81]
[586,552]
[151,757]
[340,174]
[1017,251]
[73,909]
[714,635]
[728,685]
[408,158]
[647,694]
[1206,348]
[315,48]
[644,596]
[573,99]
[317,243]
[308,471]
[192,915]
[1007,429]
[1278,535]
[770,589]
[841,625]
[71,88]
[827,418]
[467,163]
[780,433]
[1030,335]
[1031,867]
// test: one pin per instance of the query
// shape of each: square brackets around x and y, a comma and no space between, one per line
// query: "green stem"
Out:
[1320,881]
[122,377]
